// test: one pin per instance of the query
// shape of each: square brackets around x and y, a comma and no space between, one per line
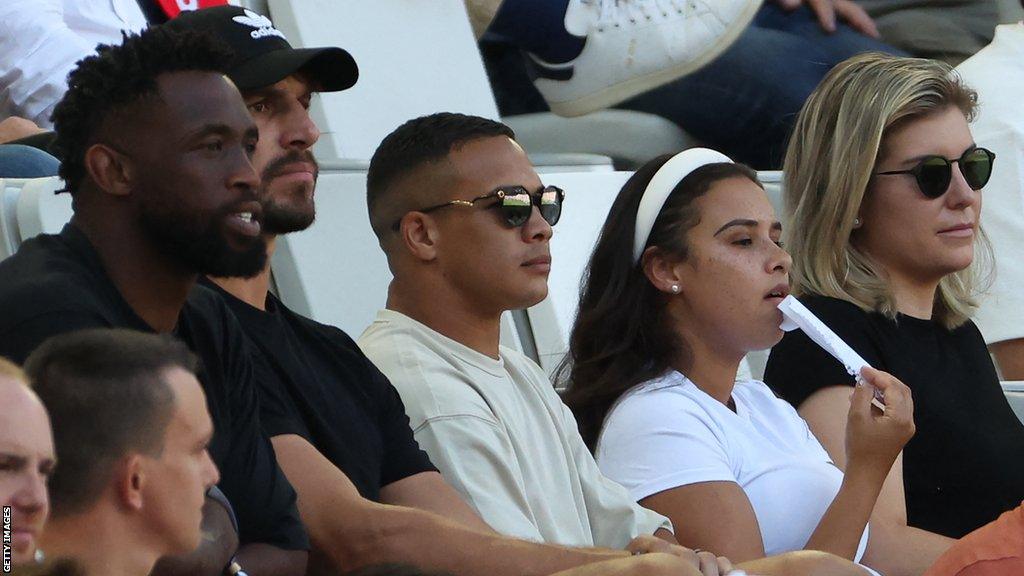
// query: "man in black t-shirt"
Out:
[156,146]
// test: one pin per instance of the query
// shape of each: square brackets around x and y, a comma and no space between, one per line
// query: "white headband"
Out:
[665,180]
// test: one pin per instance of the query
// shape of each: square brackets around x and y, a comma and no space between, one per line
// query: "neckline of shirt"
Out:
[465,353]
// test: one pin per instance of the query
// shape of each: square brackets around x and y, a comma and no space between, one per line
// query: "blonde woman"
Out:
[883,195]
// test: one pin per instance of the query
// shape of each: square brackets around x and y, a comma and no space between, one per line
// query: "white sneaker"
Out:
[633,46]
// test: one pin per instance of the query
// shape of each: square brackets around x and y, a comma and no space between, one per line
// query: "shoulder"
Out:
[669,401]
[44,277]
[432,383]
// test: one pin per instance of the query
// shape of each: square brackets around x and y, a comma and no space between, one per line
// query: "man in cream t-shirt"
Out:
[465,223]
[488,416]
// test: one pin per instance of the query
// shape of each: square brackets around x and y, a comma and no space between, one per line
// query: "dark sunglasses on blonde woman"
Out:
[934,173]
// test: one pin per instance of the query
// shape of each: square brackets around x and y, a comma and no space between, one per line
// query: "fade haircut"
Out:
[119,76]
[107,397]
[420,141]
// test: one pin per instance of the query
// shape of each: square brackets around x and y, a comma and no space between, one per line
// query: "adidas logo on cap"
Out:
[263,26]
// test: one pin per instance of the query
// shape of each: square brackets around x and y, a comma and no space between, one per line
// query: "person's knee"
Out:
[19,161]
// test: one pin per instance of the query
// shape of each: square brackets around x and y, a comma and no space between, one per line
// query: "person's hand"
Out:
[14,127]
[875,437]
[706,562]
[828,11]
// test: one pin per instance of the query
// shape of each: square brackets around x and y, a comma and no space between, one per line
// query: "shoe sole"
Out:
[616,93]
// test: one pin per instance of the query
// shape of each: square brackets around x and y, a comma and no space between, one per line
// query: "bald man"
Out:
[26,461]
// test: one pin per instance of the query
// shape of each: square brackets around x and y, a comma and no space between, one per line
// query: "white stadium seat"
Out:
[40,209]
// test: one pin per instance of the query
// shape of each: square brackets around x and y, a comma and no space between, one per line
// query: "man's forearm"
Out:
[216,547]
[390,534]
[267,560]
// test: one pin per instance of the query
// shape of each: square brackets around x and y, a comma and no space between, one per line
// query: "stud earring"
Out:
[675,288]
[857,222]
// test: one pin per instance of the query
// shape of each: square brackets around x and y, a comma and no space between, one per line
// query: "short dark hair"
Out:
[118,76]
[417,142]
[106,395]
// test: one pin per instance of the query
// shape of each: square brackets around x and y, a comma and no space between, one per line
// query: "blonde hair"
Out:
[836,143]
[11,370]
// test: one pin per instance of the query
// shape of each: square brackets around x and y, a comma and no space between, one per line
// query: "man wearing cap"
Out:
[156,148]
[367,493]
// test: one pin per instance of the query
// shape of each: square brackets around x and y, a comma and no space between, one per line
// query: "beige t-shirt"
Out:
[501,436]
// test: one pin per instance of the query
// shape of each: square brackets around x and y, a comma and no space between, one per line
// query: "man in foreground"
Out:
[131,431]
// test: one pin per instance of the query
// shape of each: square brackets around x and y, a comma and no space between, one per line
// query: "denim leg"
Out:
[538,27]
[18,161]
[744,103]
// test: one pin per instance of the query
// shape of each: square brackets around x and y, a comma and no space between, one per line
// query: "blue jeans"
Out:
[743,103]
[18,161]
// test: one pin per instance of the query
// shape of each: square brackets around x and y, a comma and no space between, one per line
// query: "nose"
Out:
[959,195]
[31,497]
[299,130]
[243,174]
[212,475]
[536,229]
[779,260]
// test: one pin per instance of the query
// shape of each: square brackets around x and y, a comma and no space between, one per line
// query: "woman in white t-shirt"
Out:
[684,281]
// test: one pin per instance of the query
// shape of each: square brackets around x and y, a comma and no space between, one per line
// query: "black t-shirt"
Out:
[56,284]
[327,391]
[965,464]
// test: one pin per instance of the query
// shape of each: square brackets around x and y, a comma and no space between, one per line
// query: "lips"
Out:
[245,219]
[958,231]
[540,264]
[778,293]
[296,171]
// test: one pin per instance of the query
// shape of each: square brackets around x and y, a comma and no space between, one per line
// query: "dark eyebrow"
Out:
[222,130]
[745,222]
[736,222]
[272,92]
[917,159]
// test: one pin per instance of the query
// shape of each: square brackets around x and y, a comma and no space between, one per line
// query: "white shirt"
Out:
[997,74]
[668,433]
[40,42]
[503,439]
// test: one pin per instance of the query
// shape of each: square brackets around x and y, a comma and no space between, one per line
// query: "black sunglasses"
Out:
[934,173]
[515,203]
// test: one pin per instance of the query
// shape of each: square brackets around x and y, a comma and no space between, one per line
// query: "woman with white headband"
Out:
[684,281]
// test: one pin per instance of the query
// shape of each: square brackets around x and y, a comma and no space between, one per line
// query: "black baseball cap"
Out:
[263,55]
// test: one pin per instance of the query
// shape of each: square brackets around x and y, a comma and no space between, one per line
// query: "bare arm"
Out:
[216,547]
[428,491]
[893,547]
[1010,356]
[353,532]
[267,560]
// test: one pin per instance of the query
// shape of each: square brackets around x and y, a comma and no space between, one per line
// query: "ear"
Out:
[109,169]
[420,234]
[661,271]
[129,482]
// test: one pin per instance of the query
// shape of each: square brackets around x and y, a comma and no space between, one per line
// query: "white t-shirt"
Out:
[503,439]
[997,73]
[668,433]
[40,42]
